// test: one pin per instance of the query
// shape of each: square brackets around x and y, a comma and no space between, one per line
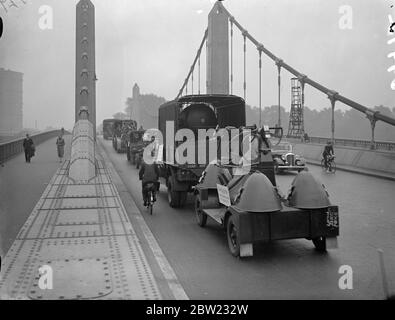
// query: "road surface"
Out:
[283,269]
[289,269]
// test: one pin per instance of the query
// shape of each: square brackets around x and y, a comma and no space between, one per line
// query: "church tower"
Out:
[135,112]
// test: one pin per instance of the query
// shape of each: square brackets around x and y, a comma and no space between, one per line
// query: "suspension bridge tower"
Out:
[296,122]
[218,50]
[85,74]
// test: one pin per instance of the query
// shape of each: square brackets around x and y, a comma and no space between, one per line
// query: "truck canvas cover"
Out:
[202,112]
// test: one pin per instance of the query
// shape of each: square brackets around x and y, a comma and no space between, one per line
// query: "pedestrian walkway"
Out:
[82,234]
[22,184]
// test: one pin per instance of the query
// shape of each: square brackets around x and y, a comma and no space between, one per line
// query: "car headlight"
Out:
[301,161]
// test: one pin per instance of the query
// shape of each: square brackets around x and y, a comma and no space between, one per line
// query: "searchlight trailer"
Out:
[249,206]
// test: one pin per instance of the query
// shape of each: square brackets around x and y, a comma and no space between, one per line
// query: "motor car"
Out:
[285,159]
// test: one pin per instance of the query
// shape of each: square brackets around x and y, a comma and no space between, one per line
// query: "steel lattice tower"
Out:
[296,123]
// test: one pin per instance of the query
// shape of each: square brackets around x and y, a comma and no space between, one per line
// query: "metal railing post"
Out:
[279,64]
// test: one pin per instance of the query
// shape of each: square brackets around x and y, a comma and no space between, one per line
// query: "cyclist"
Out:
[149,173]
[328,152]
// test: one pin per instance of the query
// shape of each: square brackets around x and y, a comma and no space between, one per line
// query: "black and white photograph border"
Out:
[197,150]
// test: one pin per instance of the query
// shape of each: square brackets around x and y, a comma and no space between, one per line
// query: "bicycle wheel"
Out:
[150,207]
[333,166]
[323,165]
[150,202]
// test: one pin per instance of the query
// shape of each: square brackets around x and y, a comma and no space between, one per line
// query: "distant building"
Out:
[143,108]
[11,102]
[136,105]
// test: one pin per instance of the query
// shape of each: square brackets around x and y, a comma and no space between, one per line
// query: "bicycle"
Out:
[151,196]
[331,164]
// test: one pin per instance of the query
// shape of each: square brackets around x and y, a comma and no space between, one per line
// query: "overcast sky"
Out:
[154,42]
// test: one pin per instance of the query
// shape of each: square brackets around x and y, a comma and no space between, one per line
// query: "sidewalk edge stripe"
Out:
[168,272]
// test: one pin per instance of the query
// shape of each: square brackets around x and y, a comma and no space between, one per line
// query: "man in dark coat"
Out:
[28,147]
[328,152]
[149,173]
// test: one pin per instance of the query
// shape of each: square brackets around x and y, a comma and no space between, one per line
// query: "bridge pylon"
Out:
[218,51]
[85,74]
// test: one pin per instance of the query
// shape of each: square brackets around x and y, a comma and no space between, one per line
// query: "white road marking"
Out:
[168,272]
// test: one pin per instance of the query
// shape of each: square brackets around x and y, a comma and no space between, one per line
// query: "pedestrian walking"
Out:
[60,146]
[28,147]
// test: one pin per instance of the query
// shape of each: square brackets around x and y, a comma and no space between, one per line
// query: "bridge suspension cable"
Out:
[199,76]
[244,63]
[231,56]
[260,86]
[333,96]
[190,73]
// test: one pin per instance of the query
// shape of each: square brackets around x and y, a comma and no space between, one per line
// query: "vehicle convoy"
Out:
[121,129]
[135,146]
[108,128]
[285,159]
[252,209]
[192,112]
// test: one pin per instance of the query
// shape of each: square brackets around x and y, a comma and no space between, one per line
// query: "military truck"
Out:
[135,146]
[193,112]
[108,128]
[121,129]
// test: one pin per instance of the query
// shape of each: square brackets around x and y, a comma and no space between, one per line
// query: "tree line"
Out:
[349,124]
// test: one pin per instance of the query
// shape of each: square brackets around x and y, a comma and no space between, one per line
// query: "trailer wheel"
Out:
[320,244]
[200,215]
[172,196]
[233,237]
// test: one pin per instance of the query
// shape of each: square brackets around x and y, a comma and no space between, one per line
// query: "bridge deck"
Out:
[186,251]
[83,233]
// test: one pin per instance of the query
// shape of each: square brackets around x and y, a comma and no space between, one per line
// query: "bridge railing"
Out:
[11,148]
[365,144]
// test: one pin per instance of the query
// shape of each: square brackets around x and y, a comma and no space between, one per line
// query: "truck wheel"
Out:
[200,215]
[138,162]
[233,237]
[320,244]
[182,195]
[172,196]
